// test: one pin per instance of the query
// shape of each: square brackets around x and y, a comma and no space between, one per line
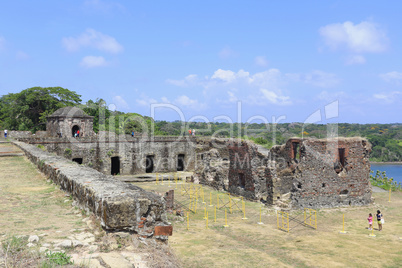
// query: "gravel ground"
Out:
[378,189]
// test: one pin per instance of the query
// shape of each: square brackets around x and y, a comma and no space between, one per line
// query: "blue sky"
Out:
[280,61]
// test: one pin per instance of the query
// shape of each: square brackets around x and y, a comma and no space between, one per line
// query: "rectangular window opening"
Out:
[242,180]
[341,152]
[295,148]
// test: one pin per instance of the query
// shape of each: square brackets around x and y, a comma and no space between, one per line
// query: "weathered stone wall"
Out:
[212,163]
[321,180]
[301,173]
[97,151]
[16,134]
[118,205]
[250,172]
[239,167]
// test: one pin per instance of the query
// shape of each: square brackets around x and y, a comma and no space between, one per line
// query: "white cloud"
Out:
[21,55]
[185,101]
[120,102]
[355,59]
[261,61]
[261,88]
[388,97]
[274,98]
[93,39]
[227,52]
[232,97]
[144,100]
[360,38]
[189,80]
[181,101]
[270,78]
[165,100]
[93,61]
[225,75]
[391,76]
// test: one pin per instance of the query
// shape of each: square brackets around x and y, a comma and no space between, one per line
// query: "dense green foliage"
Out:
[386,139]
[115,121]
[381,180]
[27,110]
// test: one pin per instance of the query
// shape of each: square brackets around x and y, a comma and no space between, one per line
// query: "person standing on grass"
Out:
[380,220]
[370,221]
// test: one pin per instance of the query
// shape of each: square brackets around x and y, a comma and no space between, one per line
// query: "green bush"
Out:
[40,146]
[56,258]
[68,152]
[381,180]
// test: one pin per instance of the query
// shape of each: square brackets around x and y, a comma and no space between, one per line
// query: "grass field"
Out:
[248,244]
[29,204]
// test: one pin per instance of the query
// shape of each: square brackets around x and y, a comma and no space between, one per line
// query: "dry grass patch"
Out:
[247,244]
[30,204]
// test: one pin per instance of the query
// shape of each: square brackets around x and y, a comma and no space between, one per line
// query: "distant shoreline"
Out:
[386,163]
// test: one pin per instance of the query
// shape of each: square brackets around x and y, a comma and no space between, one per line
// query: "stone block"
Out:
[163,230]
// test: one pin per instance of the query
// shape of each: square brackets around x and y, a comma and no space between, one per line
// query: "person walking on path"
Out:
[380,220]
[132,133]
[193,132]
[189,132]
[5,133]
[370,221]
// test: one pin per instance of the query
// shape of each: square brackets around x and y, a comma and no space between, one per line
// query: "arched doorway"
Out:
[115,165]
[77,160]
[149,164]
[180,162]
[74,130]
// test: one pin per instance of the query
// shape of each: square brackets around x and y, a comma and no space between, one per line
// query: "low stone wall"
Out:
[118,205]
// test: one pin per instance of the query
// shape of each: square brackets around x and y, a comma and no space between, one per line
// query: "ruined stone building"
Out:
[301,173]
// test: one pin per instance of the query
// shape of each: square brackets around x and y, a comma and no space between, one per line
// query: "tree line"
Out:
[27,110]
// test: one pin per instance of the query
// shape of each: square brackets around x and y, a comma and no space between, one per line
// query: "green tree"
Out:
[27,110]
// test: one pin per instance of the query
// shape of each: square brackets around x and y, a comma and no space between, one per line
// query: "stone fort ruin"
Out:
[301,173]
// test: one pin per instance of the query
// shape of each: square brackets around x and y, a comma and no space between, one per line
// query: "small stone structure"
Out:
[68,120]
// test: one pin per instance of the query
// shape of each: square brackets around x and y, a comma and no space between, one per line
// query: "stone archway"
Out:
[115,167]
[75,129]
[180,162]
[149,162]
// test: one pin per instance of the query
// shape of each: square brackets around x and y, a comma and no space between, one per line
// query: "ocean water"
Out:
[392,171]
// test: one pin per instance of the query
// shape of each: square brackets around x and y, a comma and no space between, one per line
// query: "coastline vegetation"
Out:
[381,180]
